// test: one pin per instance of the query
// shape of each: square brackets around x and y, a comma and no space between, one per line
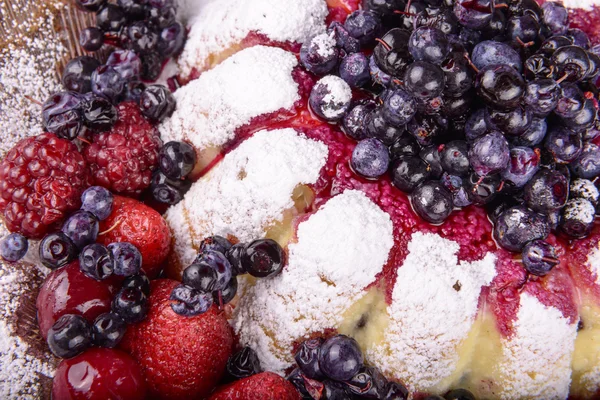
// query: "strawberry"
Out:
[265,385]
[143,227]
[181,357]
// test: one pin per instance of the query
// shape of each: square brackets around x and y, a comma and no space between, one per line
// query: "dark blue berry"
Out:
[579,37]
[379,128]
[458,74]
[395,391]
[424,80]
[82,228]
[320,55]
[128,259]
[200,276]
[377,74]
[167,190]
[89,5]
[151,66]
[432,202]
[564,144]
[157,103]
[541,96]
[97,201]
[220,264]
[431,156]
[548,190]
[262,258]
[162,17]
[556,17]
[364,26]
[476,126]
[517,226]
[215,243]
[368,383]
[343,39]
[139,282]
[297,378]
[353,121]
[584,189]
[307,358]
[227,294]
[91,39]
[127,63]
[130,304]
[57,250]
[98,114]
[570,101]
[456,186]
[481,189]
[141,38]
[398,107]
[500,86]
[489,154]
[454,158]
[176,159]
[134,90]
[550,45]
[189,302]
[77,74]
[111,18]
[459,394]
[370,158]
[584,118]
[96,261]
[108,330]
[172,39]
[522,166]
[234,255]
[244,363]
[474,14]
[539,257]
[354,69]
[428,44]
[577,218]
[330,98]
[572,63]
[405,146]
[539,67]
[587,164]
[391,55]
[70,335]
[134,9]
[514,122]
[13,247]
[408,172]
[61,115]
[534,135]
[524,28]
[340,358]
[108,83]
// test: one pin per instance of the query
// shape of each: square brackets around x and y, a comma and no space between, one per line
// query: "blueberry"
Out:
[474,14]
[57,250]
[427,129]
[151,66]
[405,146]
[13,247]
[364,26]
[431,156]
[89,5]
[61,115]
[517,226]
[587,164]
[108,330]
[334,390]
[424,80]
[524,28]
[98,114]
[130,304]
[398,107]
[96,261]
[370,158]
[227,294]
[97,201]
[189,302]
[330,98]
[77,74]
[500,86]
[127,63]
[320,55]
[377,74]
[584,189]
[522,165]
[550,45]
[354,69]
[542,96]
[297,378]
[458,74]
[343,40]
[579,37]
[514,122]
[391,54]
[263,258]
[395,391]
[139,282]
[353,124]
[340,358]
[377,127]
[548,190]
[167,190]
[533,135]
[307,358]
[91,39]
[383,7]
[556,17]
[564,144]
[134,9]
[428,44]
[456,186]
[481,189]
[108,83]
[577,218]
[172,39]
[200,276]
[82,228]
[459,394]
[134,90]
[476,126]
[219,263]
[244,363]
[141,38]
[539,257]
[539,67]
[157,103]
[128,259]
[69,336]
[454,158]
[162,17]
[570,101]
[368,383]
[176,159]
[584,118]
[572,63]
[111,18]
[234,255]
[432,202]
[408,172]
[489,154]
[215,243]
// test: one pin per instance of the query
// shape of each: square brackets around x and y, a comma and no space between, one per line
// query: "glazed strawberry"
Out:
[181,357]
[140,225]
[123,158]
[99,374]
[41,181]
[265,385]
[68,291]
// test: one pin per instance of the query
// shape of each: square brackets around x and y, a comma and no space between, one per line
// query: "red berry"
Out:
[99,374]
[265,385]
[68,291]
[123,158]
[41,181]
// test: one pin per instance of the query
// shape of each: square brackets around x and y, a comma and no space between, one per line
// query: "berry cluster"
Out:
[211,278]
[71,334]
[175,161]
[470,102]
[147,27]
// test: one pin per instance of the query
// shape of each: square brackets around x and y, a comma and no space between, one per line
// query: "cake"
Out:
[435,307]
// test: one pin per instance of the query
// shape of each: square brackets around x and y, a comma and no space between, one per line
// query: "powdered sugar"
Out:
[585,4]
[339,251]
[585,189]
[324,44]
[593,262]
[338,94]
[253,82]
[581,210]
[536,360]
[217,26]
[434,304]
[247,192]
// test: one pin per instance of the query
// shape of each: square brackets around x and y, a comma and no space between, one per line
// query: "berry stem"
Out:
[384,44]
[404,13]
[562,78]
[31,99]
[111,228]
[466,55]
[522,43]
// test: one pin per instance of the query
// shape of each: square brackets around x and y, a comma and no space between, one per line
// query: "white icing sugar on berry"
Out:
[593,262]
[247,192]
[338,94]
[253,82]
[325,44]
[434,305]
[218,27]
[339,251]
[586,189]
[536,360]
[580,210]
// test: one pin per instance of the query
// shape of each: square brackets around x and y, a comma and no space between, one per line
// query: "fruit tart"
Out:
[308,199]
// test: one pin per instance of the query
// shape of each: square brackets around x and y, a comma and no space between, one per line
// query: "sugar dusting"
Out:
[338,94]
[253,82]
[593,262]
[218,25]
[339,251]
[421,350]
[247,192]
[580,210]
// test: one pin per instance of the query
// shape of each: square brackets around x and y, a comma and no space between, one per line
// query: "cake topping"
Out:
[330,98]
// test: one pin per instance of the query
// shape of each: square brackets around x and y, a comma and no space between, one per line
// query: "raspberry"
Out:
[123,158]
[41,181]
